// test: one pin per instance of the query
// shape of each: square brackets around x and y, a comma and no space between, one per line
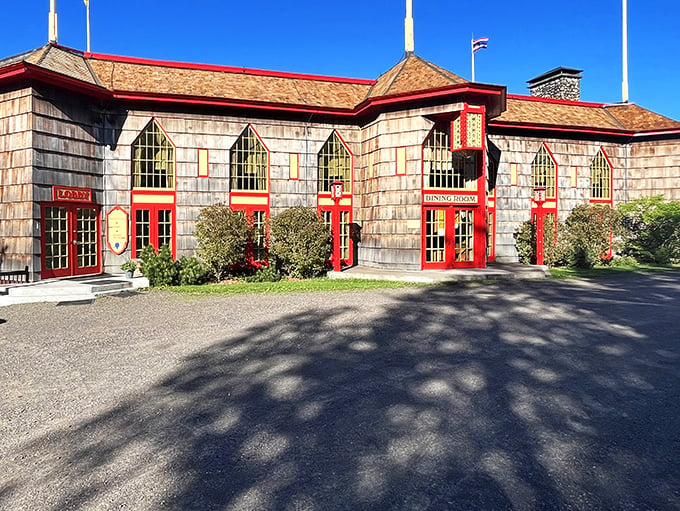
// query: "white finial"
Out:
[53,32]
[408,28]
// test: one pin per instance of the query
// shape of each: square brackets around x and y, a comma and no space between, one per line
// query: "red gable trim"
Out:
[225,69]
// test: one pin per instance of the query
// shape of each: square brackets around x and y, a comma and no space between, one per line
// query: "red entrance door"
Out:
[450,240]
[70,240]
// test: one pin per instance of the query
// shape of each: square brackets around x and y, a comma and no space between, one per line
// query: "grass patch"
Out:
[602,271]
[291,286]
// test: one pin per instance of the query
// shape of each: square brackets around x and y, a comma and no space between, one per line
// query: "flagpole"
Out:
[87,5]
[624,85]
[472,51]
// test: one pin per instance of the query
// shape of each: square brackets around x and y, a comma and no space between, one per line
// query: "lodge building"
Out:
[101,155]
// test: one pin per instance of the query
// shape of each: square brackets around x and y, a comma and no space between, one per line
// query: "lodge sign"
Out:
[71,194]
[444,198]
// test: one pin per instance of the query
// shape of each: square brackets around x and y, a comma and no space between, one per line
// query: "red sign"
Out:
[71,194]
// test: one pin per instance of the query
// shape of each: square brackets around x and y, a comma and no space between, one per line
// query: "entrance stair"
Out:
[73,289]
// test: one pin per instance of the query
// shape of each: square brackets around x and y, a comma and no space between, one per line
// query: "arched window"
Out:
[249,163]
[153,159]
[445,169]
[600,177]
[544,172]
[335,164]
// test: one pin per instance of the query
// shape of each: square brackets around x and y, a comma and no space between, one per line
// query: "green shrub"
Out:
[299,242]
[554,251]
[623,262]
[193,271]
[160,268]
[652,230]
[589,233]
[222,235]
[525,242]
[265,274]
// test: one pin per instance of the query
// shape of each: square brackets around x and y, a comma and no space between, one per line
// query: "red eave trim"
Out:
[225,69]
[13,70]
[233,103]
[362,108]
[669,131]
[571,129]
[556,101]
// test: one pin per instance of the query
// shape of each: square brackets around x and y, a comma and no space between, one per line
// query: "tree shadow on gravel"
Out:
[511,396]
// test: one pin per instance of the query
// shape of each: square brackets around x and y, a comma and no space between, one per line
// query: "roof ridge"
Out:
[394,78]
[604,107]
[437,68]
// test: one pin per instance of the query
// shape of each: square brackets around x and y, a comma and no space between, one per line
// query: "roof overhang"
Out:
[25,72]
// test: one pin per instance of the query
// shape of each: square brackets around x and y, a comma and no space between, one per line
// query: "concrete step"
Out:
[69,290]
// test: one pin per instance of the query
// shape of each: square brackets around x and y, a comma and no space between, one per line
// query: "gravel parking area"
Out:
[517,395]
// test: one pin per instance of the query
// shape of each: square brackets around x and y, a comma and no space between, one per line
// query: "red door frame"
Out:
[72,218]
[153,209]
[479,237]
[348,262]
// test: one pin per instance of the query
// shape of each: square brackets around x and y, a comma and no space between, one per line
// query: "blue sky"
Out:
[364,38]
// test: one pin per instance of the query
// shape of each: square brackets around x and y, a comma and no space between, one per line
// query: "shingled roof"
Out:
[636,118]
[532,111]
[124,77]
[413,74]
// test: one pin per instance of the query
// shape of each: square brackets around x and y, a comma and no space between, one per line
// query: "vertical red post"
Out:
[539,199]
[336,195]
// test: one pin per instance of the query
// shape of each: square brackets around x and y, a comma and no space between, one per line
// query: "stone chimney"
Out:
[560,83]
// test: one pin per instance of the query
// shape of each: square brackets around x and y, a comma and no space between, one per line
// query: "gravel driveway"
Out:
[518,395]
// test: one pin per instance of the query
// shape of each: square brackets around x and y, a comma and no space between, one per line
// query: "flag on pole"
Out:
[479,44]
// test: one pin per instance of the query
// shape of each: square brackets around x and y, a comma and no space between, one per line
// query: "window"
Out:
[600,178]
[249,163]
[153,226]
[259,235]
[344,230]
[153,159]
[445,169]
[335,164]
[544,172]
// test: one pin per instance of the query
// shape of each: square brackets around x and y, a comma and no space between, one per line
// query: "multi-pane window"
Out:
[142,229]
[335,164]
[445,169]
[259,235]
[153,159]
[344,230]
[249,163]
[56,238]
[435,235]
[600,177]
[164,228]
[465,235]
[544,172]
[87,245]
